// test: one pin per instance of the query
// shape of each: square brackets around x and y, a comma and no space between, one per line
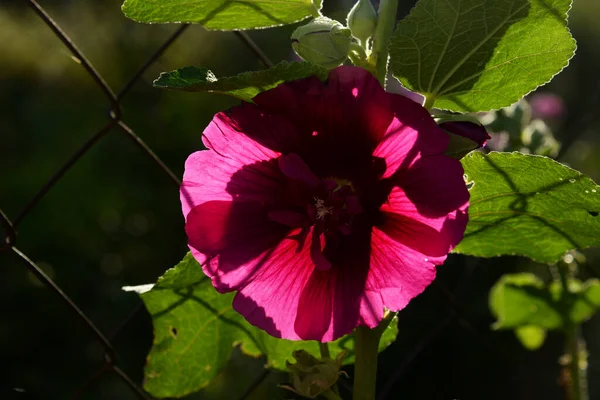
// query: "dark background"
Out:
[114,219]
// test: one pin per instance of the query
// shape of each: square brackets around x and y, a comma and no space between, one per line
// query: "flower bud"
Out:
[311,376]
[362,20]
[322,41]
[466,135]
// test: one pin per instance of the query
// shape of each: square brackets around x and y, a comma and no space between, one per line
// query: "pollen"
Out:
[322,209]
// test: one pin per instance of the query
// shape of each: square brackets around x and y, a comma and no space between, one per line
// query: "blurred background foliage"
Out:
[115,220]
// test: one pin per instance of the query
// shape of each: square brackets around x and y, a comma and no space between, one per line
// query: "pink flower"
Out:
[323,204]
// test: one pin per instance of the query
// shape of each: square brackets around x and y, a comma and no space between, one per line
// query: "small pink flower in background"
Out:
[322,204]
[547,105]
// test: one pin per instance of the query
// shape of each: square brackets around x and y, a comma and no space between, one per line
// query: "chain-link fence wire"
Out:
[115,124]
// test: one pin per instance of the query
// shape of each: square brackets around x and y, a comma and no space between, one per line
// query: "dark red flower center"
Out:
[328,206]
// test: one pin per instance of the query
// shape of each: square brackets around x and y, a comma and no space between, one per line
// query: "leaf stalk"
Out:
[386,22]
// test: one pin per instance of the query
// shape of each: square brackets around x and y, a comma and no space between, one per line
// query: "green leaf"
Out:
[222,14]
[519,300]
[531,337]
[522,302]
[243,86]
[528,205]
[478,55]
[196,328]
[587,301]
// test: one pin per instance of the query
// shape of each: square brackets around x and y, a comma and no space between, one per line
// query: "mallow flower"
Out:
[323,204]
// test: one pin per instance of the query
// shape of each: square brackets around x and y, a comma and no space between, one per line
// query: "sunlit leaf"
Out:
[222,14]
[528,205]
[478,55]
[243,86]
[587,301]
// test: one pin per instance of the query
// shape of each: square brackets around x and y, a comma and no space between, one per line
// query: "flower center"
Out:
[326,207]
[321,208]
[334,206]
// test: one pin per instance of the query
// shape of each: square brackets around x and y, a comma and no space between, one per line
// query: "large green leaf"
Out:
[478,55]
[196,328]
[243,86]
[222,14]
[528,205]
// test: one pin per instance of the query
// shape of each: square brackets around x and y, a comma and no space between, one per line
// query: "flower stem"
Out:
[365,364]
[575,381]
[324,348]
[386,22]
[575,385]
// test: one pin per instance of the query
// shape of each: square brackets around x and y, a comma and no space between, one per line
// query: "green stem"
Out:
[386,22]
[365,353]
[365,366]
[576,382]
[429,100]
[324,348]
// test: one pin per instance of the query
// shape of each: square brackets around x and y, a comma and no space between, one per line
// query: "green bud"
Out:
[322,41]
[362,20]
[311,376]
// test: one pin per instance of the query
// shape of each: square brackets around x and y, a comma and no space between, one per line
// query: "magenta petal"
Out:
[316,252]
[289,298]
[409,138]
[209,176]
[231,239]
[270,301]
[315,308]
[431,189]
[223,135]
[247,132]
[288,218]
[398,273]
[295,168]
[426,239]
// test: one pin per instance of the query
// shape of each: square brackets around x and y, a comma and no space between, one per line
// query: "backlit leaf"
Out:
[528,205]
[222,14]
[478,55]
[243,86]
